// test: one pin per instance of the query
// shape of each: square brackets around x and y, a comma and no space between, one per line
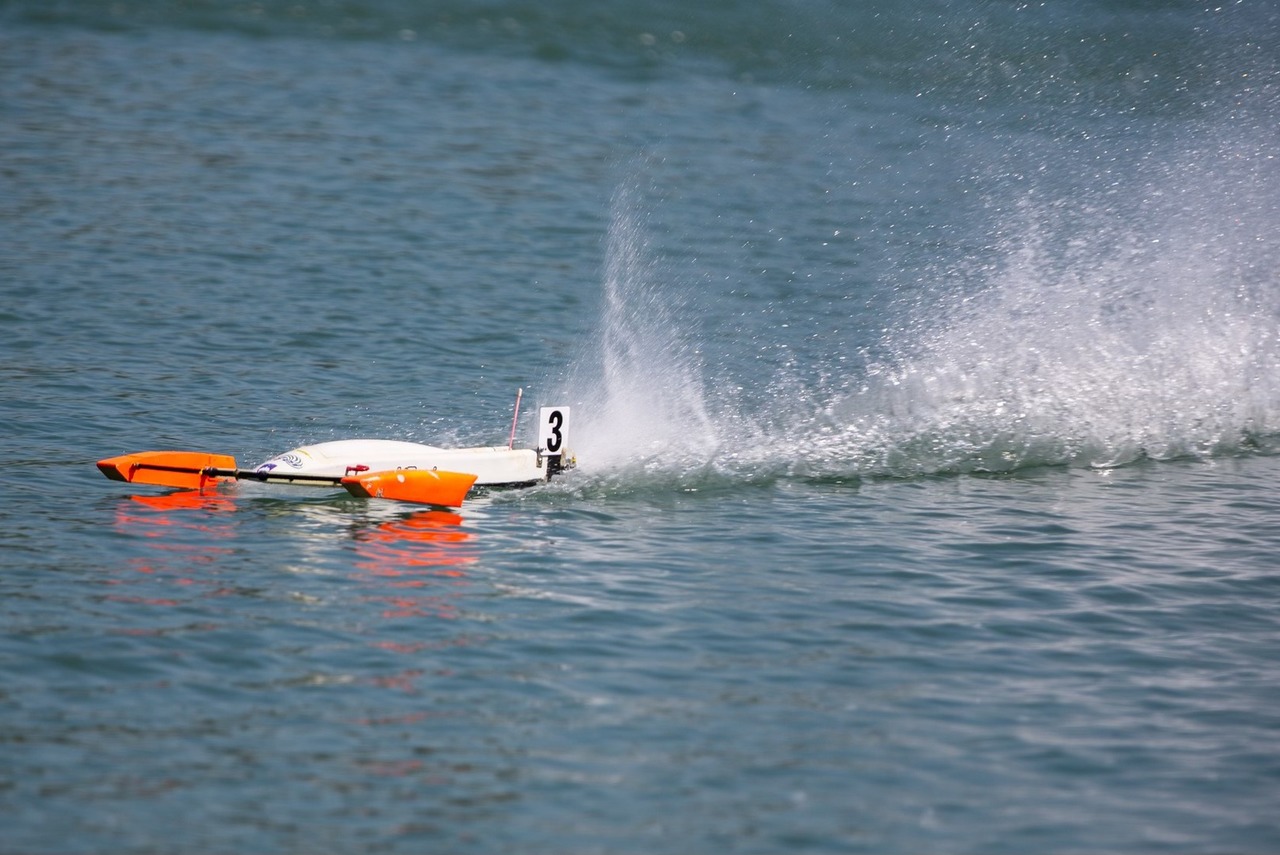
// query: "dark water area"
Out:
[925,371]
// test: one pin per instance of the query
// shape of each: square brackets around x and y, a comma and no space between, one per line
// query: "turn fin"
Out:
[421,486]
[188,470]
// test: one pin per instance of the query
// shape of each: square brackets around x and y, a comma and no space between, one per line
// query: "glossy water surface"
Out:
[925,365]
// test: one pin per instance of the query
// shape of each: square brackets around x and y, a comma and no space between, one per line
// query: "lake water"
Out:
[925,371]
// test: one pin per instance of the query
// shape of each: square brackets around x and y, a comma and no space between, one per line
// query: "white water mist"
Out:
[1149,327]
[1100,329]
[642,388]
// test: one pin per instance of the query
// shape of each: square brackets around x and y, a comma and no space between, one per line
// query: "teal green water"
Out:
[925,366]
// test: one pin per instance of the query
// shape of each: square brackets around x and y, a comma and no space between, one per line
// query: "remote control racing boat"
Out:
[373,468]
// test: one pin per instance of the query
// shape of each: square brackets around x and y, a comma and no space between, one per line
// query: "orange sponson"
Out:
[185,469]
[423,486]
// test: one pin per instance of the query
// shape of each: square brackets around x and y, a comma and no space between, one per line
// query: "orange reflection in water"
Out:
[425,543]
[180,531]
[424,551]
[408,567]
[152,516]
[187,500]
[414,568]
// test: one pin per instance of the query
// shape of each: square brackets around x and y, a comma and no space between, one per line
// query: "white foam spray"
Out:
[1140,324]
[641,385]
[1145,323]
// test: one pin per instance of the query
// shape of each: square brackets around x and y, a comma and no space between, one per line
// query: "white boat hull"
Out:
[493,466]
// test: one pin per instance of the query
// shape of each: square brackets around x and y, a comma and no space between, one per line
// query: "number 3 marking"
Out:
[556,421]
[555,425]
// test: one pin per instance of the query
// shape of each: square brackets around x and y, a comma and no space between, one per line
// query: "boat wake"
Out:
[1139,324]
